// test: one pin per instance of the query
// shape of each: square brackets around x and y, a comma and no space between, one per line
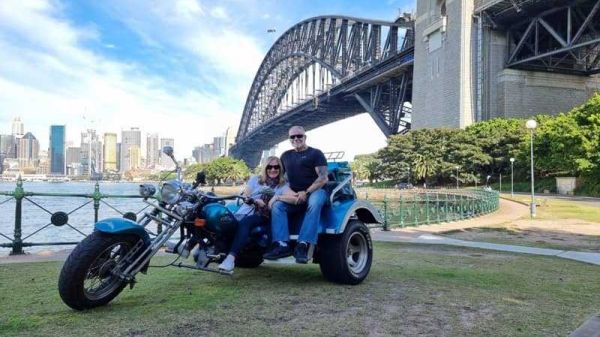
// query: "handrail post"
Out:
[437,206]
[402,212]
[385,213]
[97,196]
[19,194]
[427,207]
[415,209]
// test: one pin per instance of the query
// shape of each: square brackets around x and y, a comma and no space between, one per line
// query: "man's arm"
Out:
[288,196]
[318,183]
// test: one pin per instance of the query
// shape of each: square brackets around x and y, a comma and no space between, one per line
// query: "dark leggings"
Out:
[243,231]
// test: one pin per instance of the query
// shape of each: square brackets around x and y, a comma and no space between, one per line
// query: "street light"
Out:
[512,164]
[531,125]
[456,167]
[500,183]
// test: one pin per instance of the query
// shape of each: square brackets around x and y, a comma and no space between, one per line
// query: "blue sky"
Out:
[180,68]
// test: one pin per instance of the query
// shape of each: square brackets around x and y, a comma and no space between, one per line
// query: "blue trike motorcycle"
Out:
[105,262]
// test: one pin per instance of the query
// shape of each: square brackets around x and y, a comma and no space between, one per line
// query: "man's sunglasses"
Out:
[296,136]
[270,167]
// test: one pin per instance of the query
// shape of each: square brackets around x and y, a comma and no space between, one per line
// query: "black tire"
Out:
[346,258]
[249,258]
[92,259]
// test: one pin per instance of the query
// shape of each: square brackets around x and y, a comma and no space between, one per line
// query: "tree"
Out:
[558,144]
[226,168]
[367,166]
[587,118]
[500,139]
[190,172]
[240,171]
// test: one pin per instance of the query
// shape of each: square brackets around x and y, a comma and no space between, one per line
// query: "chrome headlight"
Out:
[170,192]
[147,190]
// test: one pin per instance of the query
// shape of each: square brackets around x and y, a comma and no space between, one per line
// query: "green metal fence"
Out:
[419,207]
[398,208]
[17,240]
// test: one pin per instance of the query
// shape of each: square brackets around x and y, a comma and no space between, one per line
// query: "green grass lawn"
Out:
[412,290]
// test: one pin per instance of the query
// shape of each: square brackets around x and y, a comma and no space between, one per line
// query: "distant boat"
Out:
[58,179]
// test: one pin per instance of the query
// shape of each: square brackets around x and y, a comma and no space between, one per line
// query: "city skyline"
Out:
[95,153]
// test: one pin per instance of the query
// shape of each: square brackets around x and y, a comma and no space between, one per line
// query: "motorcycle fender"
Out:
[363,210]
[122,226]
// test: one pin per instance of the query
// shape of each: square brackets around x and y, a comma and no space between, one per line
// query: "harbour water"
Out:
[81,209]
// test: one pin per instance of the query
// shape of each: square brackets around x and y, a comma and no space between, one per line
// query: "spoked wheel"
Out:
[347,258]
[87,279]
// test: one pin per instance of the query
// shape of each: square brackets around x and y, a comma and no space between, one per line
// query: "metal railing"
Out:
[422,207]
[59,219]
[398,209]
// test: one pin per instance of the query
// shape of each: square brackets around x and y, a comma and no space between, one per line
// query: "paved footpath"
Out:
[508,211]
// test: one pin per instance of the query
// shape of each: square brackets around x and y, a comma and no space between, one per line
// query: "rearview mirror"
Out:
[168,150]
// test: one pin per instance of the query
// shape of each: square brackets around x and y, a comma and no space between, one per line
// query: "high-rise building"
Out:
[18,129]
[8,149]
[28,149]
[73,161]
[219,146]
[118,157]
[57,149]
[207,153]
[110,152]
[197,154]
[165,161]
[135,157]
[132,137]
[91,153]
[43,166]
[230,134]
[152,150]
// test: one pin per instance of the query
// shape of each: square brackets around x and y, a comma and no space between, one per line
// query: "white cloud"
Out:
[219,13]
[51,79]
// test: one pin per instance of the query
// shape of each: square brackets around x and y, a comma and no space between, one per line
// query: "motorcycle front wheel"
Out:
[86,280]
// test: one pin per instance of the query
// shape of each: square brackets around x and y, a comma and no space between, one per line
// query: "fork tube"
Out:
[139,263]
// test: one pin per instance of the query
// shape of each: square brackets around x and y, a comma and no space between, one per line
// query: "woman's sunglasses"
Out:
[271,167]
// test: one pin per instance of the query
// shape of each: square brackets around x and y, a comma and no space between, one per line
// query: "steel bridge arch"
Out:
[286,81]
[340,44]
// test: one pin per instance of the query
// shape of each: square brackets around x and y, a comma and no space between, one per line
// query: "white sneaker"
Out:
[228,264]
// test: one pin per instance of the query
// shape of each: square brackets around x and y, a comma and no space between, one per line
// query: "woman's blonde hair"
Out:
[263,171]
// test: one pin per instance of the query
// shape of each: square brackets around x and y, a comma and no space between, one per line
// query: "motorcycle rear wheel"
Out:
[86,280]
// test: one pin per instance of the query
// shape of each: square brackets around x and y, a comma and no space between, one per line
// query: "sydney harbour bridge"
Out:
[328,68]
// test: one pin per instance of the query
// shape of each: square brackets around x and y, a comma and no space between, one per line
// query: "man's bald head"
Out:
[296,129]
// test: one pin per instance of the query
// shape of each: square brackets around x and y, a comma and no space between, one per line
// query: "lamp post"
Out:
[531,125]
[456,167]
[500,189]
[487,181]
[512,164]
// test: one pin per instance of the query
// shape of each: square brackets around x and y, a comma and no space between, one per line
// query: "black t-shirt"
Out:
[300,167]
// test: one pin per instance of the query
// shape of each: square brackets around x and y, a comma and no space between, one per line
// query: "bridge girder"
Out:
[313,65]
[552,35]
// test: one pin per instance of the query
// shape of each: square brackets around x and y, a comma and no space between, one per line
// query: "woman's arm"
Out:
[288,196]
